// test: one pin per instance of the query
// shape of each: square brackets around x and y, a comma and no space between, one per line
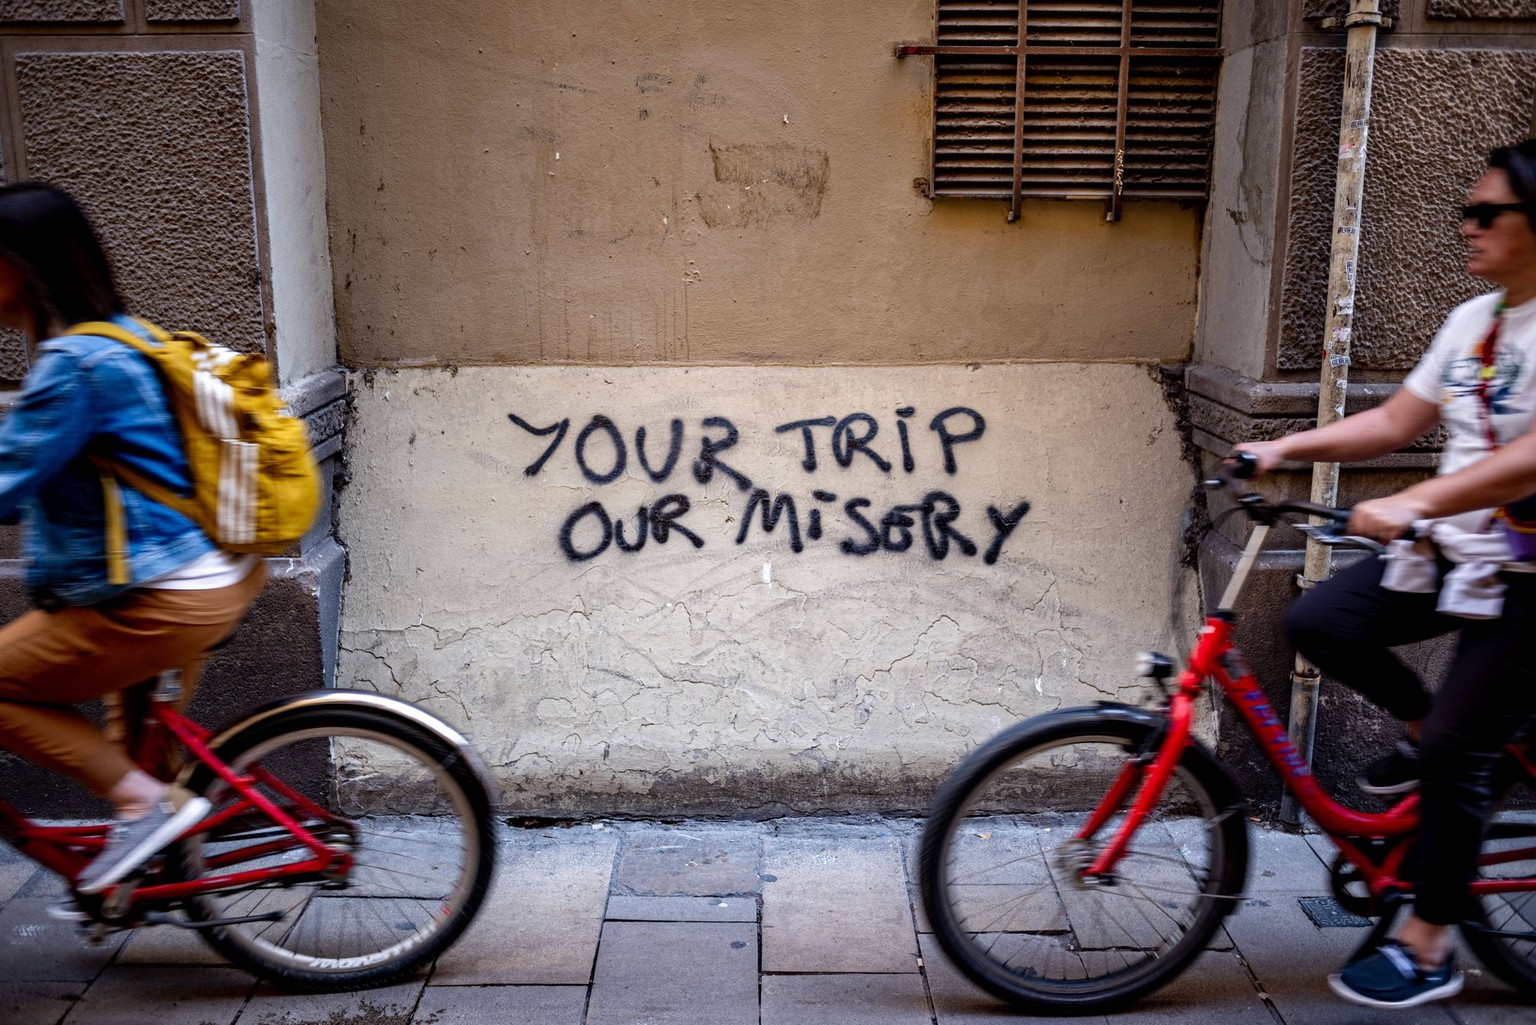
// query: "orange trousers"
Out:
[51,661]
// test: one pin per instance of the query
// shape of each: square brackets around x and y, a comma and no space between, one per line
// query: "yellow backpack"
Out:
[255,485]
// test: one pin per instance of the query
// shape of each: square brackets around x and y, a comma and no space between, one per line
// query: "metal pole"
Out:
[1362,22]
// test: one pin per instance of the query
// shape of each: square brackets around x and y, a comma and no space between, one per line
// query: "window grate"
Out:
[1118,103]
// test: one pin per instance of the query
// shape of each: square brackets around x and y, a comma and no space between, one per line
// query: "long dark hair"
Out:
[1518,162]
[46,236]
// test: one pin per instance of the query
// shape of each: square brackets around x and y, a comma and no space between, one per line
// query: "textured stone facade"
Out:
[1482,9]
[87,11]
[157,147]
[191,10]
[1317,9]
[1422,156]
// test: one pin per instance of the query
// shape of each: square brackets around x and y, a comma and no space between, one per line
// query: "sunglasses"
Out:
[1486,213]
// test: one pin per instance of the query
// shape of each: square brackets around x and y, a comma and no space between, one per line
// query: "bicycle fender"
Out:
[342,700]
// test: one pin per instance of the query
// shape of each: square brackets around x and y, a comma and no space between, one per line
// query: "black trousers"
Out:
[1346,625]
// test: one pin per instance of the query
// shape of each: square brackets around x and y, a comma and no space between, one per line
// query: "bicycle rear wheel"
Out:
[1504,937]
[1000,864]
[407,804]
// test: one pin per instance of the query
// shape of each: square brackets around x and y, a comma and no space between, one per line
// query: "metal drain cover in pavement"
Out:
[1327,913]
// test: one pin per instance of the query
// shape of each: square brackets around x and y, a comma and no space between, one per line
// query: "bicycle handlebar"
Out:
[1243,466]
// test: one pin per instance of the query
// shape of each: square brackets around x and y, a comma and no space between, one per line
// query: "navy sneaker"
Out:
[1390,977]
[1396,773]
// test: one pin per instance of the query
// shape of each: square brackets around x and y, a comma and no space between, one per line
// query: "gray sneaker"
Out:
[134,842]
[65,909]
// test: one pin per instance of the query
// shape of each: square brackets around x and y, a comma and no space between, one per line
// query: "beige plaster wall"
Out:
[738,674]
[696,181]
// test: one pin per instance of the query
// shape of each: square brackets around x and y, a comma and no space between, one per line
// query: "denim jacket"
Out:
[86,395]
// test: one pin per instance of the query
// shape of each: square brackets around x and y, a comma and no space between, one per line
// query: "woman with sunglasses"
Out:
[1468,572]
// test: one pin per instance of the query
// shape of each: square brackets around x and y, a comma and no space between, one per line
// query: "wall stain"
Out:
[758,183]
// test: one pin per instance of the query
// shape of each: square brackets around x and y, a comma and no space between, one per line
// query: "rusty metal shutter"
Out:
[1118,99]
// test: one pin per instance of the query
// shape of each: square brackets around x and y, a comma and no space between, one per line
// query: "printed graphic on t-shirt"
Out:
[1459,379]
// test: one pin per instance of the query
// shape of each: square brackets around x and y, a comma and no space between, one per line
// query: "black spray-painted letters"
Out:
[933,523]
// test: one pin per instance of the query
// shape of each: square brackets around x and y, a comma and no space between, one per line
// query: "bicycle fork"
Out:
[1165,747]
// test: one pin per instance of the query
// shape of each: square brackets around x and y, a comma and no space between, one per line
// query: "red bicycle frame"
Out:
[68,849]
[1216,658]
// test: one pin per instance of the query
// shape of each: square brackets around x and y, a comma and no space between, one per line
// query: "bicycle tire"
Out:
[1503,932]
[419,828]
[997,852]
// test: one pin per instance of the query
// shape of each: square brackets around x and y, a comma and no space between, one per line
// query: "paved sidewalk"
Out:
[787,922]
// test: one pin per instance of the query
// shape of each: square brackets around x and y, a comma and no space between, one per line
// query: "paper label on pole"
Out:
[1341,334]
[1346,304]
[1348,229]
[1338,361]
[1346,151]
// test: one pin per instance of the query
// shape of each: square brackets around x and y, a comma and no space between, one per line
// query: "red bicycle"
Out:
[350,841]
[1084,857]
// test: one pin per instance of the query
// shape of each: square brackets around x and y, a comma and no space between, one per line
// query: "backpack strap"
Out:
[118,333]
[117,531]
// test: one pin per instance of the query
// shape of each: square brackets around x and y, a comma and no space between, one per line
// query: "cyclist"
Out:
[1478,379]
[90,637]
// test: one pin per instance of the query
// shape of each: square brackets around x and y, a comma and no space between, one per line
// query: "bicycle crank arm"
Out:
[159,918]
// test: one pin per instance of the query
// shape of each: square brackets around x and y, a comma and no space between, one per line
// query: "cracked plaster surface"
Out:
[676,674]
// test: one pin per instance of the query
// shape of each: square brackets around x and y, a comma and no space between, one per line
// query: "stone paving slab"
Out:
[1284,863]
[833,903]
[623,908]
[388,1005]
[1216,988]
[693,860]
[15,871]
[688,973]
[37,1003]
[1292,959]
[143,995]
[167,946]
[35,947]
[958,1001]
[844,1000]
[502,1005]
[541,922]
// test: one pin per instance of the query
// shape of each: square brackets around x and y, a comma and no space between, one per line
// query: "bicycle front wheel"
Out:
[1003,851]
[407,805]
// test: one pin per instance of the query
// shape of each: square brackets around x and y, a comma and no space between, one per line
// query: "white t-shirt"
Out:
[1448,376]
[207,572]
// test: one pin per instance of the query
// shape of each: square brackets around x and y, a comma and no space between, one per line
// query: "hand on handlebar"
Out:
[1263,454]
[1385,519]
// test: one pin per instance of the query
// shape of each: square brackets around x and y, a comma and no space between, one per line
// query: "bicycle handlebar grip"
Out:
[1244,465]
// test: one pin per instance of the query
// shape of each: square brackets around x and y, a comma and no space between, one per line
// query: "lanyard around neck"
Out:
[1487,354]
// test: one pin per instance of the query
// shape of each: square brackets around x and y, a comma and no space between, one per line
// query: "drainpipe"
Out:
[1362,23]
